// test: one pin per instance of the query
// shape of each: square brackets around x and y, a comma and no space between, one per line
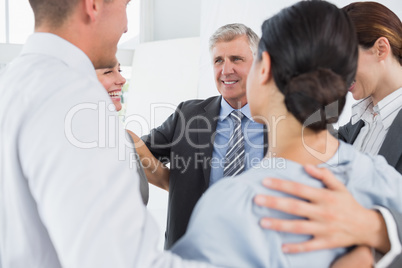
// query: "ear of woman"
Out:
[266,74]
[382,48]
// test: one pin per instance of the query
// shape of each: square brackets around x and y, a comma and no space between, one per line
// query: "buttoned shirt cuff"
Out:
[396,247]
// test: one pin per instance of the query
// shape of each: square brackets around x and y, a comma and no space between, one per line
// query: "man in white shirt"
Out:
[68,197]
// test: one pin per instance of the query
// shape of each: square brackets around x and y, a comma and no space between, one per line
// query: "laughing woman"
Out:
[113,82]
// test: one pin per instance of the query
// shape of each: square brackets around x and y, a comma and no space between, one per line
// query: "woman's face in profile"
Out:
[367,75]
[113,82]
[255,98]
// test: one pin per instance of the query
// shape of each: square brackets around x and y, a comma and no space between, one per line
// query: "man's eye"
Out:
[218,61]
[107,72]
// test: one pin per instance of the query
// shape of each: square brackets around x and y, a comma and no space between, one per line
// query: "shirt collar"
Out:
[226,110]
[57,47]
[387,108]
[362,110]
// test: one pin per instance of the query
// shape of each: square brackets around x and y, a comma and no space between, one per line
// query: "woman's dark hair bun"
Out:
[316,98]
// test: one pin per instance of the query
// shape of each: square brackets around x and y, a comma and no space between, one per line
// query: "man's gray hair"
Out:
[229,32]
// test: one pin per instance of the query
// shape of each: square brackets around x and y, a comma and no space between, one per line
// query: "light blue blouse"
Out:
[224,226]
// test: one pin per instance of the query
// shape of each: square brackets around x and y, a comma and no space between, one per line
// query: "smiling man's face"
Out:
[232,62]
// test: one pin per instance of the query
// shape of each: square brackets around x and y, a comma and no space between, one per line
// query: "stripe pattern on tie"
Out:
[234,163]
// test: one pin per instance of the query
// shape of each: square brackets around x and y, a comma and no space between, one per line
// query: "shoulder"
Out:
[249,183]
[364,167]
[199,103]
[188,110]
[229,194]
[371,180]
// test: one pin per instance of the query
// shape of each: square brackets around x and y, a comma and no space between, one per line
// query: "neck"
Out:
[72,31]
[392,81]
[236,104]
[287,139]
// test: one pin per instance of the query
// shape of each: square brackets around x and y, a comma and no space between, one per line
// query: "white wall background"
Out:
[176,19]
[164,74]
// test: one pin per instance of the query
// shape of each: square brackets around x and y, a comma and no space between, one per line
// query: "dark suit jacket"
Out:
[185,140]
[391,149]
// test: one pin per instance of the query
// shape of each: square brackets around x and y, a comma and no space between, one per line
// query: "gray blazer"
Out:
[391,149]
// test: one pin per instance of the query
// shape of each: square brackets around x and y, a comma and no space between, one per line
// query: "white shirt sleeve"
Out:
[396,247]
[83,178]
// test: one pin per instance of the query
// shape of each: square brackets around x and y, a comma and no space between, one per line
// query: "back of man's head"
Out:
[230,32]
[52,12]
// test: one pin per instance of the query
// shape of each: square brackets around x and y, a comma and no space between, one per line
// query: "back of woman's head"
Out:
[372,21]
[313,51]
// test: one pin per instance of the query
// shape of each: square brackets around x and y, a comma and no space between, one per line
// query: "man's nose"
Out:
[227,68]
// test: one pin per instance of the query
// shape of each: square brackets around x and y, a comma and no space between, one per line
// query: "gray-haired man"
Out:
[195,139]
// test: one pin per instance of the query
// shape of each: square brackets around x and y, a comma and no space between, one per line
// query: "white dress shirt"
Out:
[69,192]
[377,121]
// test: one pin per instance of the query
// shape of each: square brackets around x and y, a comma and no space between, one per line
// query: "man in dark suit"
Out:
[195,139]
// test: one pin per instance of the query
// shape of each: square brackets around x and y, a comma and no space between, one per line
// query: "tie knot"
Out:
[236,115]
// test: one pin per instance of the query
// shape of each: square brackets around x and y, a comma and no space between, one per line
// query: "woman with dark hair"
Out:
[374,128]
[297,85]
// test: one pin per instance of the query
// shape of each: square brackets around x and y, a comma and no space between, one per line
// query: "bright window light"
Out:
[131,39]
[21,23]
[2,21]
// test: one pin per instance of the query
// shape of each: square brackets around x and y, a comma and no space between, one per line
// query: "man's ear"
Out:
[92,8]
[265,71]
[382,48]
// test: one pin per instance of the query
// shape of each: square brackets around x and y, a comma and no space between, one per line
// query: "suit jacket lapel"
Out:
[354,131]
[391,149]
[211,113]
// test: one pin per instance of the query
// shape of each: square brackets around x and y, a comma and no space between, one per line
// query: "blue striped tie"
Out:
[234,163]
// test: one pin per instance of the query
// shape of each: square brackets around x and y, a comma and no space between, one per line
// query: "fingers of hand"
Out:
[310,245]
[326,176]
[293,226]
[288,205]
[296,189]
